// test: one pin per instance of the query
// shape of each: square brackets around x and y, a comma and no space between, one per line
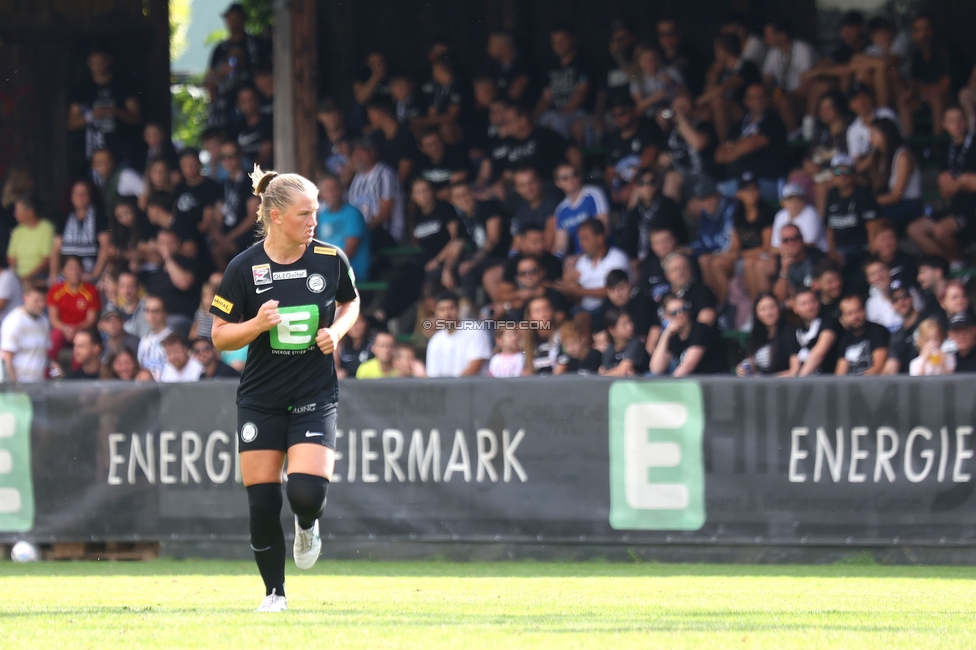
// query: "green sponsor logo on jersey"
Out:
[657,474]
[16,484]
[297,328]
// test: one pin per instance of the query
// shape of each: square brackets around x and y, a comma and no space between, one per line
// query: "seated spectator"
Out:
[435,230]
[829,285]
[884,246]
[151,354]
[797,263]
[929,77]
[483,228]
[649,210]
[511,73]
[233,232]
[932,280]
[726,82]
[11,290]
[836,70]
[690,346]
[536,206]
[395,144]
[796,211]
[568,94]
[691,148]
[72,305]
[122,365]
[954,300]
[86,355]
[651,280]
[354,349]
[622,296]
[753,48]
[863,348]
[112,181]
[509,361]
[454,351]
[479,127]
[862,104]
[440,164]
[211,140]
[195,198]
[962,336]
[632,144]
[851,216]
[582,203]
[177,281]
[180,366]
[158,147]
[652,83]
[786,61]
[131,305]
[680,53]
[113,336]
[446,98]
[530,282]
[25,338]
[531,244]
[408,104]
[879,66]
[31,242]
[342,225]
[894,174]
[950,231]
[381,365]
[902,349]
[752,235]
[772,342]
[372,81]
[713,245]
[829,142]
[967,99]
[202,327]
[233,62]
[160,177]
[375,192]
[540,341]
[213,368]
[84,234]
[699,299]
[131,232]
[255,133]
[931,359]
[586,281]
[529,146]
[625,356]
[757,145]
[335,141]
[816,335]
[879,307]
[576,357]
[406,363]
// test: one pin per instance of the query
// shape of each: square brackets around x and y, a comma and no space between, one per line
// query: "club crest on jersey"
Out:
[261,273]
[315,283]
[289,275]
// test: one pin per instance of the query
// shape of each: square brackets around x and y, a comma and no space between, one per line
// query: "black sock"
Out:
[306,496]
[267,537]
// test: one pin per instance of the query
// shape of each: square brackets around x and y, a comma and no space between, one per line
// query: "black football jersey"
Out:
[284,365]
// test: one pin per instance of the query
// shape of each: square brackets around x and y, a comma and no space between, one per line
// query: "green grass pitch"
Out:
[209,604]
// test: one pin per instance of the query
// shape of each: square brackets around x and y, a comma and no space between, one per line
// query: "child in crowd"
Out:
[510,360]
[931,360]
[576,356]
[625,356]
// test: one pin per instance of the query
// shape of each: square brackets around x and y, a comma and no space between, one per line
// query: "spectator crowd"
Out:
[764,208]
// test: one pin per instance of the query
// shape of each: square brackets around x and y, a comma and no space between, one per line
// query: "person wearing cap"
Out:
[232,63]
[902,349]
[932,359]
[798,212]
[851,215]
[860,99]
[863,348]
[633,143]
[375,191]
[962,336]
[950,231]
[713,243]
[114,337]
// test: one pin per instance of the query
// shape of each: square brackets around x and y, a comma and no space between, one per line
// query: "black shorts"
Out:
[280,428]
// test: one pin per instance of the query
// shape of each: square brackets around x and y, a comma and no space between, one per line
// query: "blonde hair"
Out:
[277,192]
[928,327]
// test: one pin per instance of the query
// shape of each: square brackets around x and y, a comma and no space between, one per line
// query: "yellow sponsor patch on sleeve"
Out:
[324,250]
[223,305]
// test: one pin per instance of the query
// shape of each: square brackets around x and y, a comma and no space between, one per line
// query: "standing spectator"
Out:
[540,340]
[621,50]
[699,299]
[86,355]
[381,365]
[213,367]
[902,349]
[816,336]
[335,142]
[105,110]
[650,210]
[633,144]
[798,263]
[653,82]
[758,145]
[786,61]
[151,354]
[929,77]
[954,229]
[586,281]
[962,333]
[233,63]
[582,203]
[771,342]
[395,145]
[680,54]
[752,236]
[863,348]
[694,348]
[180,366]
[536,207]
[84,235]
[453,351]
[510,72]
[256,130]
[375,191]
[25,337]
[850,212]
[482,226]
[11,290]
[114,337]
[72,305]
[726,83]
[237,211]
[354,349]
[31,241]
[713,245]
[196,198]
[931,359]
[113,182]
[691,149]
[569,90]
[796,211]
[625,356]
[440,164]
[342,225]
[861,102]
[509,361]
[894,174]
[753,48]
[131,305]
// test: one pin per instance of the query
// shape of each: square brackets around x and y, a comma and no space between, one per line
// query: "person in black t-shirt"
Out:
[902,349]
[863,348]
[531,246]
[530,282]
[372,81]
[576,357]
[901,265]
[447,99]
[699,298]
[691,148]
[569,92]
[537,206]
[395,144]
[483,228]
[213,367]
[435,230]
[440,164]
[622,295]
[290,299]
[772,342]
[256,129]
[176,281]
[816,336]
[355,348]
[233,62]
[696,347]
[625,356]
[650,210]
[335,140]
[632,145]
[408,103]
[195,199]
[726,82]
[540,148]
[850,212]
[962,334]
[233,231]
[929,77]
[798,263]
[86,355]
[510,72]
[752,224]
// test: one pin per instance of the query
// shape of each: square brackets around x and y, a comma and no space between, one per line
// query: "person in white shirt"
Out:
[587,282]
[180,366]
[861,102]
[25,337]
[786,61]
[152,355]
[798,212]
[753,48]
[375,192]
[11,291]
[453,351]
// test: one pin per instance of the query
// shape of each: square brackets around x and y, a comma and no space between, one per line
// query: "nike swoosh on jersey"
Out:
[309,434]
[257,290]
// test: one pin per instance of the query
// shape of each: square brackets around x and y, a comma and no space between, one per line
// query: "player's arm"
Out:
[234,336]
[346,314]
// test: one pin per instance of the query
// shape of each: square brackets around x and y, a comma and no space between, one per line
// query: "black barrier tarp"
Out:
[522,460]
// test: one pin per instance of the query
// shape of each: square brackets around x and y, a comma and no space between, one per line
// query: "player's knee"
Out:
[264,502]
[306,494]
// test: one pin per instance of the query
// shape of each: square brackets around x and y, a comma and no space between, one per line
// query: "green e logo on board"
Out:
[16,484]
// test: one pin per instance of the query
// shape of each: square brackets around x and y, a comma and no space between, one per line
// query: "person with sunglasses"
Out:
[650,210]
[238,209]
[213,368]
[902,348]
[695,347]
[797,263]
[582,203]
[851,216]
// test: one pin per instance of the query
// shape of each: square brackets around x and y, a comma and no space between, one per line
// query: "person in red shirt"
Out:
[72,305]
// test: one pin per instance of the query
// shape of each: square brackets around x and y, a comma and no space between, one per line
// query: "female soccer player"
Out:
[290,299]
